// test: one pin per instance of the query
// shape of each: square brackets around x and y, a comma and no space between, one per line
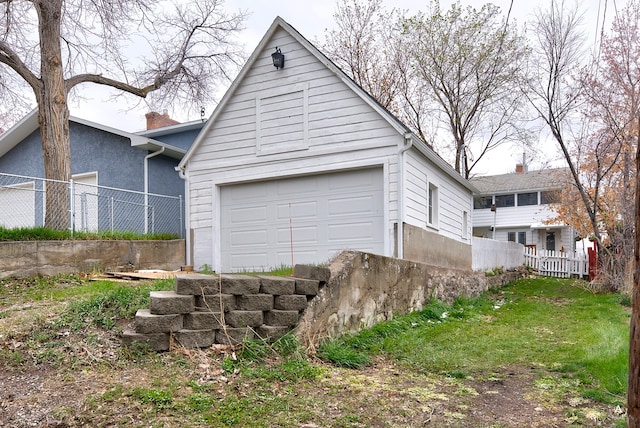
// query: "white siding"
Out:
[338,119]
[453,199]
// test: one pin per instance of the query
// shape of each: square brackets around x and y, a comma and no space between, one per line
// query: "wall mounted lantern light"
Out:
[278,59]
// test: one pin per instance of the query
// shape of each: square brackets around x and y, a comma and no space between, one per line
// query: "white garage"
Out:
[302,219]
[299,163]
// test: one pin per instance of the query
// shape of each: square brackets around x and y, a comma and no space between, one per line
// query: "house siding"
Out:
[453,199]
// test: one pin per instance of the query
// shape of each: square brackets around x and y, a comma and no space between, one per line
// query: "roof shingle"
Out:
[544,179]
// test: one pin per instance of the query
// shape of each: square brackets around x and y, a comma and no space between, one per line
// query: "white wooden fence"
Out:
[560,264]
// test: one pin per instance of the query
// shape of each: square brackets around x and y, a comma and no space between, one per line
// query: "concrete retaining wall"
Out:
[30,258]
[365,289]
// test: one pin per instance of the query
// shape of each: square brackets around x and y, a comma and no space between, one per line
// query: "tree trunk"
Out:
[53,116]
[633,392]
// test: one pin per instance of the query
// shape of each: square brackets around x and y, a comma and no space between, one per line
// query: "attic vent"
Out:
[282,122]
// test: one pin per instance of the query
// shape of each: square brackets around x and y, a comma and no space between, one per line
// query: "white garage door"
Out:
[301,220]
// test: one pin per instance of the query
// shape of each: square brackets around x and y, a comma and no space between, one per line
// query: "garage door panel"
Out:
[318,215]
[359,205]
[284,257]
[248,238]
[250,261]
[255,192]
[297,186]
[249,215]
[353,180]
[361,231]
[287,235]
[298,210]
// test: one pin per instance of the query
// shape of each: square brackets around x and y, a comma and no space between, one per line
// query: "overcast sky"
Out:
[311,18]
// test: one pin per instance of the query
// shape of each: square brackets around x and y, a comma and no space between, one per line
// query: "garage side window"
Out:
[465,224]
[432,210]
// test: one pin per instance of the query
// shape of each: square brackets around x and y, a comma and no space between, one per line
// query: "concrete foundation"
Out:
[431,248]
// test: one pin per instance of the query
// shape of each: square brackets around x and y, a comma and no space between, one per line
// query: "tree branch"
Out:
[101,80]
[11,59]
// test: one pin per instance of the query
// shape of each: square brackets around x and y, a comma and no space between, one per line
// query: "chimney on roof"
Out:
[520,168]
[157,120]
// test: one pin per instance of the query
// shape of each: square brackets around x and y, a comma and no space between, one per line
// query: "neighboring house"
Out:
[299,163]
[517,207]
[144,162]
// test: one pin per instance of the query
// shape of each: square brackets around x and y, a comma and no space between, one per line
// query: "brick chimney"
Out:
[519,168]
[157,120]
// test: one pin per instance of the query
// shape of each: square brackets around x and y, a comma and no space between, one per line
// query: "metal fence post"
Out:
[71,205]
[112,214]
[180,212]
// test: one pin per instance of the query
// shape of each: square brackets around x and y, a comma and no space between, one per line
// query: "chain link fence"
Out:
[83,207]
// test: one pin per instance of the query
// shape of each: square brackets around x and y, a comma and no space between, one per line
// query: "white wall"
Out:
[488,254]
[452,202]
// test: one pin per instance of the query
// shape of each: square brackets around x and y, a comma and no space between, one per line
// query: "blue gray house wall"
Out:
[94,150]
[116,162]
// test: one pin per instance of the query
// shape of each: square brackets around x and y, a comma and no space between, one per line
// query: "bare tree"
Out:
[365,46]
[469,61]
[162,49]
[588,110]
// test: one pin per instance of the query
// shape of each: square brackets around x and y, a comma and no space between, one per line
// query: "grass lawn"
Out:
[538,352]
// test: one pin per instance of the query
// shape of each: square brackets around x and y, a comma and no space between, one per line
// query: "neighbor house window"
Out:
[530,198]
[432,212]
[506,200]
[482,202]
[522,238]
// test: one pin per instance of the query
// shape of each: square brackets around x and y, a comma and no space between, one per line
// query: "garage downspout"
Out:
[146,187]
[182,173]
[408,143]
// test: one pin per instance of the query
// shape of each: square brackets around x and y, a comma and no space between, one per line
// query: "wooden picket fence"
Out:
[559,264]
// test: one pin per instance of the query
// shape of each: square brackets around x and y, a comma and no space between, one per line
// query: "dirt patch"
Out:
[60,378]
[379,396]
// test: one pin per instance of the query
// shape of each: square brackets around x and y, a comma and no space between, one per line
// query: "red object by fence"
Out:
[593,261]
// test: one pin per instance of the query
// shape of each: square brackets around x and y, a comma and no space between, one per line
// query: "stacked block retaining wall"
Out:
[224,309]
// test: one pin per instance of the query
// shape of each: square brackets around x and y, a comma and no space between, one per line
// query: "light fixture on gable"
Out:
[278,59]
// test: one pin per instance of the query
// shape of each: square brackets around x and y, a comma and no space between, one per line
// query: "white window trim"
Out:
[433,196]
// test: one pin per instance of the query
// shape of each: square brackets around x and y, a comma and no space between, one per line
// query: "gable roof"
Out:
[28,124]
[401,128]
[544,179]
